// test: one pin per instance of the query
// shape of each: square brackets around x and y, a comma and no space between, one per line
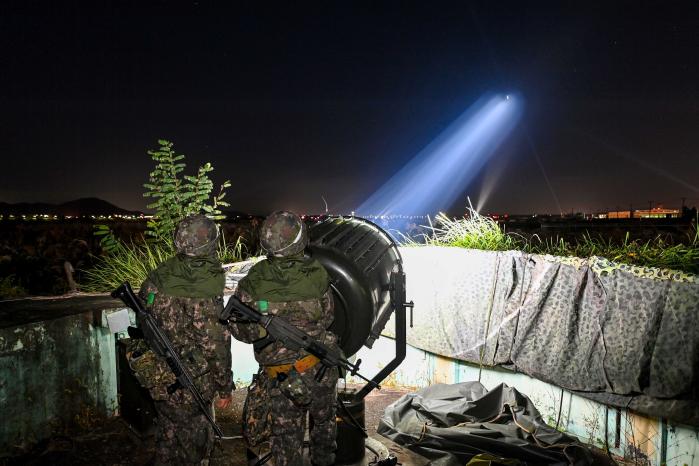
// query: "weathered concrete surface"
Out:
[54,373]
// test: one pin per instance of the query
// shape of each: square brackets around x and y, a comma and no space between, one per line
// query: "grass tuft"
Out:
[130,262]
[134,261]
[473,232]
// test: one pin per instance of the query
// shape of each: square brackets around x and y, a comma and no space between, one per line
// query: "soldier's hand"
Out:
[224,403]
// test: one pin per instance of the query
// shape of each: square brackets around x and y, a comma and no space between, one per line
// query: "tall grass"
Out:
[658,252]
[232,252]
[478,232]
[130,262]
[133,262]
[473,232]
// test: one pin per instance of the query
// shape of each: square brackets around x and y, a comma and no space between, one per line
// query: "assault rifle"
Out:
[161,345]
[278,329]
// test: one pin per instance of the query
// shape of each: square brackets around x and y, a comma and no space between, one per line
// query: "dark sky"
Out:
[332,99]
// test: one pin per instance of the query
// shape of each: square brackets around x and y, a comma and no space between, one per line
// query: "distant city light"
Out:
[435,178]
[44,217]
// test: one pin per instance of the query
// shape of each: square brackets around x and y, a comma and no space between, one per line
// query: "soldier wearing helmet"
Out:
[184,294]
[297,287]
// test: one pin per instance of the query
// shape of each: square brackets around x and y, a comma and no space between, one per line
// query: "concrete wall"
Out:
[628,434]
[55,373]
[642,439]
[62,370]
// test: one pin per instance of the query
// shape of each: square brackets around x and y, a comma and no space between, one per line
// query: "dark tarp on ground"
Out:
[449,424]
[587,325]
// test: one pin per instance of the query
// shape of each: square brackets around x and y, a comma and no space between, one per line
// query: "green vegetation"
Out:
[657,252]
[133,262]
[175,197]
[231,252]
[125,262]
[473,232]
[478,232]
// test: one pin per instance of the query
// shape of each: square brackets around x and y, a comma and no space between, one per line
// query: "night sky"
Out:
[331,100]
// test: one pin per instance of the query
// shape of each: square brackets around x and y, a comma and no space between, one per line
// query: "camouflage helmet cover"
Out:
[196,235]
[283,234]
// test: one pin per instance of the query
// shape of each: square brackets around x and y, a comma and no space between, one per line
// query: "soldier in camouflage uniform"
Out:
[184,294]
[298,288]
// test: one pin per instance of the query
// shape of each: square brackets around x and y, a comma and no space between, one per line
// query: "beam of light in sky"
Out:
[543,172]
[490,182]
[441,172]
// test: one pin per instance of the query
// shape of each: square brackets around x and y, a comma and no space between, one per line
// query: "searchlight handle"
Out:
[410,305]
[399,305]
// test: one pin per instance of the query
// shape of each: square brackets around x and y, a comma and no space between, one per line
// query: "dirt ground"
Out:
[114,442]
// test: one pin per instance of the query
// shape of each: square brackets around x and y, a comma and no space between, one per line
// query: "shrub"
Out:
[178,196]
[175,196]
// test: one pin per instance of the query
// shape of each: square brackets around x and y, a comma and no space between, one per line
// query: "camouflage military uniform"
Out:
[292,394]
[183,435]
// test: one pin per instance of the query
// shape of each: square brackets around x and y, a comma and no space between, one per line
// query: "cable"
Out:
[560,408]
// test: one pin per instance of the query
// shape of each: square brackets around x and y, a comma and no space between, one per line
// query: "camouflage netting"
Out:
[622,335]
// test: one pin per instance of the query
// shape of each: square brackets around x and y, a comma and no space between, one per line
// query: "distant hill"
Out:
[77,208]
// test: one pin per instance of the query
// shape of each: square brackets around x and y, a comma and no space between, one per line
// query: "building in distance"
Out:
[655,212]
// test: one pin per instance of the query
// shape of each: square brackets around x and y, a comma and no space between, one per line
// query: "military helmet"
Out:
[283,234]
[196,235]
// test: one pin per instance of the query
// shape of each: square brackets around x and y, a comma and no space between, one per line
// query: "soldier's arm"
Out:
[247,332]
[220,362]
[327,308]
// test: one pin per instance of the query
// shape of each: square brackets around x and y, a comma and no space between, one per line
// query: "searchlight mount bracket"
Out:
[399,307]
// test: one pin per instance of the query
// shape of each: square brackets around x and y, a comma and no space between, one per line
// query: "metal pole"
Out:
[399,306]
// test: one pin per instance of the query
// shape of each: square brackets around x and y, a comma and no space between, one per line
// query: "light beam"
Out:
[440,172]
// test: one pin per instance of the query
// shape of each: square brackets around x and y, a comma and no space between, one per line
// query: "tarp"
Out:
[625,334]
[450,424]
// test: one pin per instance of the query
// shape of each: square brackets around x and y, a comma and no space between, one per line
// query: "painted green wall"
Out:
[54,373]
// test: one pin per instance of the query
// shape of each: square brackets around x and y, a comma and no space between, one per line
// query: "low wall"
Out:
[57,369]
[629,434]
[625,336]
[607,352]
[643,439]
